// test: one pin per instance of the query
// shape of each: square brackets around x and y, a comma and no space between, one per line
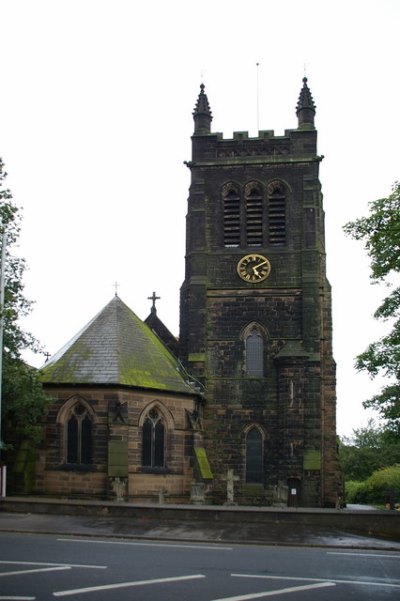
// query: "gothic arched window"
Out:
[254,456]
[153,446]
[79,436]
[254,352]
[254,214]
[276,213]
[231,208]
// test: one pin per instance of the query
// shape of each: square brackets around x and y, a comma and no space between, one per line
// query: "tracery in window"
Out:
[276,213]
[254,214]
[78,436]
[153,440]
[254,351]
[254,455]
[231,207]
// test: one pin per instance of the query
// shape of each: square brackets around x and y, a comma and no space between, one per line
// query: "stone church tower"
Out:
[255,316]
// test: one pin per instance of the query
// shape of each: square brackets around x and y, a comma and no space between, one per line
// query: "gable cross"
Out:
[153,298]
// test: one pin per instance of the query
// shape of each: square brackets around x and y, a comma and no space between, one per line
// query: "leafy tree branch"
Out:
[380,233]
[23,400]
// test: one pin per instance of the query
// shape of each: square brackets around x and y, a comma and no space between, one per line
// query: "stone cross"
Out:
[153,297]
[118,486]
[230,487]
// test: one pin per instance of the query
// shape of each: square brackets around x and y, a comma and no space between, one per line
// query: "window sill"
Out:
[154,470]
[77,467]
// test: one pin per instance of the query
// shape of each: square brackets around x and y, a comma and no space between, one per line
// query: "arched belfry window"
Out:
[78,435]
[254,456]
[153,442]
[231,211]
[276,213]
[254,214]
[254,347]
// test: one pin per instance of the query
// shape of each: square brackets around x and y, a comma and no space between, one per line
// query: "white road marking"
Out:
[334,580]
[17,598]
[142,544]
[35,571]
[374,555]
[108,587]
[282,591]
[42,563]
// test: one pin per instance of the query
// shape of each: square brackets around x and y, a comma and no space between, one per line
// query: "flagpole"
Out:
[258,99]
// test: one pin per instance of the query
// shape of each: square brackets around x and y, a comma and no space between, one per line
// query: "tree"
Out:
[23,400]
[367,450]
[380,231]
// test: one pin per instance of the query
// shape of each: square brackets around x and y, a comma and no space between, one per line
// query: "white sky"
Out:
[95,122]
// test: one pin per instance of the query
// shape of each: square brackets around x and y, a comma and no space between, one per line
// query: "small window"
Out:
[79,436]
[153,448]
[254,456]
[254,353]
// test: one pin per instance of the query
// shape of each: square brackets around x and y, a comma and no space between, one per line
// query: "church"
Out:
[244,400]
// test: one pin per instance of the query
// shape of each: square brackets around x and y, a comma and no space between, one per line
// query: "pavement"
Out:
[185,532]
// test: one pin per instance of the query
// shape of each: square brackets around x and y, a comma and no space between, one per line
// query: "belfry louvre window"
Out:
[153,445]
[79,436]
[231,207]
[276,214]
[254,215]
[254,354]
[254,456]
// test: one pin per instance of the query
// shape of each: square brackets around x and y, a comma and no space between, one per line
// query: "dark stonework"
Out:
[276,211]
[158,327]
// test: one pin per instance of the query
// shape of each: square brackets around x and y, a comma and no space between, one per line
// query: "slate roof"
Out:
[116,347]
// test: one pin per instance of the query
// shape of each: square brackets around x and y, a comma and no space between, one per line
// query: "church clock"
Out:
[254,268]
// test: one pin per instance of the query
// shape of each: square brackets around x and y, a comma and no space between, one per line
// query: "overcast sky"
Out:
[95,122]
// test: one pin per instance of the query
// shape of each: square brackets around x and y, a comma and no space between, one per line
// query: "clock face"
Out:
[254,268]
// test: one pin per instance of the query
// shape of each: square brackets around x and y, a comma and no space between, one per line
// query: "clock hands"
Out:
[256,267]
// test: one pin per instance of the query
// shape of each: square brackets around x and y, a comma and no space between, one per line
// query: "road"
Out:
[40,567]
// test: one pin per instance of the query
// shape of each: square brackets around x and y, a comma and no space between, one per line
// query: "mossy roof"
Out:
[116,347]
